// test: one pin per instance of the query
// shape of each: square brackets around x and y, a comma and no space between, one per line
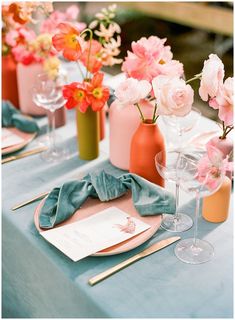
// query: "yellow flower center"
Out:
[162,61]
[71,41]
[79,95]
[97,93]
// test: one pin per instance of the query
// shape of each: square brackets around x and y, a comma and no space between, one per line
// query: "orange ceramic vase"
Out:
[9,80]
[146,142]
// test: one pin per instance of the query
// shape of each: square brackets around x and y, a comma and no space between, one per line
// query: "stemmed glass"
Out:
[194,250]
[182,125]
[47,93]
[167,166]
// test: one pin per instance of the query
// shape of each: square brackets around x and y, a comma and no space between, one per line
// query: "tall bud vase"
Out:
[88,134]
[146,142]
[124,120]
[9,80]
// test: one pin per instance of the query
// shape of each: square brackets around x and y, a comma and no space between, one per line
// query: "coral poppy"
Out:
[67,41]
[76,96]
[97,94]
[94,63]
[17,14]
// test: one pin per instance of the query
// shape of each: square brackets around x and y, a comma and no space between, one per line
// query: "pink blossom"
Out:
[21,54]
[150,58]
[11,38]
[224,102]
[212,77]
[131,91]
[173,96]
[212,167]
[72,13]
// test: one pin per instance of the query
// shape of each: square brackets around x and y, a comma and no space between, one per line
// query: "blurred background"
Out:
[193,30]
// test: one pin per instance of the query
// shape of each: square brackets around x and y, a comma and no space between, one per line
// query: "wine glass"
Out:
[181,125]
[195,250]
[167,166]
[47,94]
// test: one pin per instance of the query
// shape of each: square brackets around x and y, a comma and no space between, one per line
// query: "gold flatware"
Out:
[22,204]
[151,249]
[24,154]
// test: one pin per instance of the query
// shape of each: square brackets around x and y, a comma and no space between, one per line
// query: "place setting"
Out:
[128,181]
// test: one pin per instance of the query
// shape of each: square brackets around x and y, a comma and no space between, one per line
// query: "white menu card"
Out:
[97,232]
[9,138]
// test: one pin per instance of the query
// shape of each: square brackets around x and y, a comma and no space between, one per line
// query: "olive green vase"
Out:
[88,134]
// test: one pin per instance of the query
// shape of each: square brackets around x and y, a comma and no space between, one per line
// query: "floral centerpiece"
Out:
[152,76]
[93,48]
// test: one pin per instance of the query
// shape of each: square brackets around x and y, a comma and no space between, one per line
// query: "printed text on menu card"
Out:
[97,232]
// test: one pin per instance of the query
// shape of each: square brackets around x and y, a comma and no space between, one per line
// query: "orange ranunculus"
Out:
[97,94]
[76,96]
[67,41]
[94,64]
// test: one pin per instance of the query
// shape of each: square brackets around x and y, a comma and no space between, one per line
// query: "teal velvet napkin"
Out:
[62,202]
[11,117]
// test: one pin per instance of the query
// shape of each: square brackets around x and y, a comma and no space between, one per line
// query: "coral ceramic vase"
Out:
[146,142]
[88,134]
[9,80]
[26,77]
[123,121]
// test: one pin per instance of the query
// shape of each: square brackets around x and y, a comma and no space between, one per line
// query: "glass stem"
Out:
[196,218]
[52,132]
[177,187]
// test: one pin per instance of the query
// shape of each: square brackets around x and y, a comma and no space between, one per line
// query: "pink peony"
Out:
[150,58]
[131,91]
[173,96]
[212,77]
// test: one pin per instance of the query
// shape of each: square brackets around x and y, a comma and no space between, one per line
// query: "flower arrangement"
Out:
[100,49]
[153,75]
[24,44]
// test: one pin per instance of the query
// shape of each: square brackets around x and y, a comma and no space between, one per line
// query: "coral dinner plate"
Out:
[92,206]
[27,137]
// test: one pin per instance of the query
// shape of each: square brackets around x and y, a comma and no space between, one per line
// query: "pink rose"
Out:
[224,102]
[173,96]
[131,91]
[150,58]
[212,77]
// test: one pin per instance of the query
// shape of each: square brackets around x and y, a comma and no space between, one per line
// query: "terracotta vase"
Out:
[123,121]
[26,77]
[88,134]
[146,142]
[225,146]
[9,80]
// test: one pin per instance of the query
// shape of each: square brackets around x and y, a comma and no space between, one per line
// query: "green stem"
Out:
[89,50]
[154,112]
[155,119]
[197,76]
[141,114]
[79,67]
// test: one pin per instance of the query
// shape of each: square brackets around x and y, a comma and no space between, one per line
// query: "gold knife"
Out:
[24,154]
[153,248]
[22,204]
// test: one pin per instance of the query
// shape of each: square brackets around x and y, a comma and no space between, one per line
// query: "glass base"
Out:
[188,252]
[176,224]
[54,156]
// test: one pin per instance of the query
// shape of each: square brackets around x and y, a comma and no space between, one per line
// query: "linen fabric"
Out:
[11,117]
[64,201]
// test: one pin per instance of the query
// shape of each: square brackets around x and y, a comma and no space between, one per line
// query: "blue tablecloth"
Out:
[39,281]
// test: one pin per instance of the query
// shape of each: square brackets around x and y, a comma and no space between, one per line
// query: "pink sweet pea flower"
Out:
[150,58]
[72,12]
[131,91]
[212,77]
[212,166]
[224,102]
[173,96]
